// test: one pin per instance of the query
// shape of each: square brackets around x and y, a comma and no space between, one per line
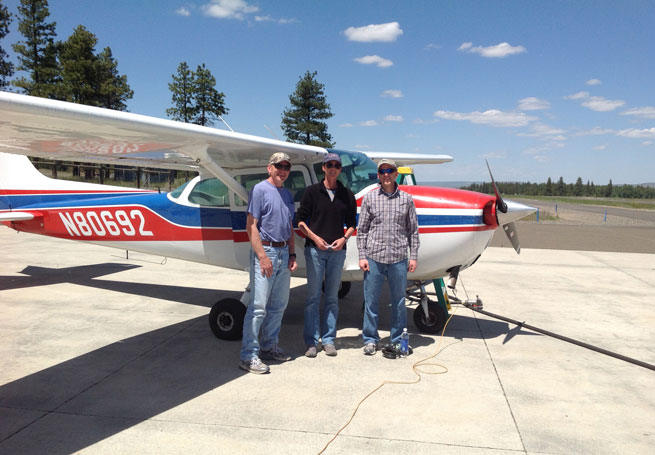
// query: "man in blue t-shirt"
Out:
[272,259]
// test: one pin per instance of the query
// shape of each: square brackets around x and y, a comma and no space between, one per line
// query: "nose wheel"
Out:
[429,316]
[226,319]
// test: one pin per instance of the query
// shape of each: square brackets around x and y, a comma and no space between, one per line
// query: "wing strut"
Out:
[199,152]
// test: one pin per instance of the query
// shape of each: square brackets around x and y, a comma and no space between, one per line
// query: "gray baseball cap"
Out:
[391,163]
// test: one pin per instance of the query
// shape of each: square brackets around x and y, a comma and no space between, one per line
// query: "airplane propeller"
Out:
[507,212]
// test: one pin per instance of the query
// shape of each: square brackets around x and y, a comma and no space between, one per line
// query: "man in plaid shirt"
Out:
[387,229]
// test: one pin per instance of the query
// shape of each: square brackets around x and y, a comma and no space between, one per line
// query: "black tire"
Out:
[436,320]
[226,319]
[344,289]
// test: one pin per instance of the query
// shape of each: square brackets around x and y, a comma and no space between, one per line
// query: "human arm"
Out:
[265,263]
[293,265]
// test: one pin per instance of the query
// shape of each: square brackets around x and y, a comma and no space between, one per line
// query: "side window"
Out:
[294,183]
[248,181]
[210,192]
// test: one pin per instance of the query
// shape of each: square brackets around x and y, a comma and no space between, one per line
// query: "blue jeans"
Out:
[269,298]
[396,275]
[322,263]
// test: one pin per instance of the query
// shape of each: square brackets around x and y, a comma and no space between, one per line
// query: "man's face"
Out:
[332,169]
[279,172]
[387,174]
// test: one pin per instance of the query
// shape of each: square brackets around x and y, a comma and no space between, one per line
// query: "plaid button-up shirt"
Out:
[388,227]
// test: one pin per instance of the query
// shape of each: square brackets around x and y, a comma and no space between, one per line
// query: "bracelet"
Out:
[292,255]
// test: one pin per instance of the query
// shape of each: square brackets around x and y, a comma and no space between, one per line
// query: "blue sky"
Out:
[539,88]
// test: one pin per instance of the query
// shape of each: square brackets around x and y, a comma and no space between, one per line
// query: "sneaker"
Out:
[276,354]
[311,352]
[330,350]
[370,349]
[254,365]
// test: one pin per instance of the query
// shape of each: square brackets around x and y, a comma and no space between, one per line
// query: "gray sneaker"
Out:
[254,365]
[311,352]
[276,353]
[330,350]
[370,349]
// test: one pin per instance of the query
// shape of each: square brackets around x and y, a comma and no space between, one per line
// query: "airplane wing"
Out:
[74,132]
[408,159]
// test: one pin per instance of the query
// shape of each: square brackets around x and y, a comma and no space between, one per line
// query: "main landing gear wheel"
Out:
[226,319]
[344,289]
[435,320]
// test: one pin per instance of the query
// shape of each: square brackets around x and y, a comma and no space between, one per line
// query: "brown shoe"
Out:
[311,352]
[330,350]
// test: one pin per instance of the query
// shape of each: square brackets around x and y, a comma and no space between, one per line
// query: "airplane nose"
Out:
[515,211]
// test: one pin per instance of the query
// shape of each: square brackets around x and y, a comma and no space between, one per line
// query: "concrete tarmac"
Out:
[100,354]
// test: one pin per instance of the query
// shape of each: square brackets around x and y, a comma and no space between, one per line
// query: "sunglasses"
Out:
[282,167]
[388,170]
[331,165]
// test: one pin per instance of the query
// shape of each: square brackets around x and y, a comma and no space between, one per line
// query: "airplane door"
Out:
[299,178]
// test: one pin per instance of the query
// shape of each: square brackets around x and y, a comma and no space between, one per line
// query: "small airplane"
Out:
[204,220]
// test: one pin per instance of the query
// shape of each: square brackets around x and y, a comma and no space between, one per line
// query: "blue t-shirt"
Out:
[273,209]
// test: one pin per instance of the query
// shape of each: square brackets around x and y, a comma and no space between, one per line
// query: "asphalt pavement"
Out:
[100,354]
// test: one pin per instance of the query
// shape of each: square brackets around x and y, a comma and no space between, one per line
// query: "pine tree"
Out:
[577,189]
[182,89]
[195,98]
[113,89]
[37,55]
[6,67]
[303,121]
[209,103]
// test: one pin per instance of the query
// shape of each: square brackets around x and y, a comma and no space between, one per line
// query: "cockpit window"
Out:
[178,191]
[357,170]
[210,192]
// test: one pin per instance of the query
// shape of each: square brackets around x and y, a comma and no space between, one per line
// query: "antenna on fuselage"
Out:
[228,126]
[271,131]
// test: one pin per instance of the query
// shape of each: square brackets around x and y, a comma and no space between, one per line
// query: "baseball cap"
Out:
[391,163]
[278,158]
[332,157]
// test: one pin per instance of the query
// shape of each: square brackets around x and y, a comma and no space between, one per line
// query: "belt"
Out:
[276,244]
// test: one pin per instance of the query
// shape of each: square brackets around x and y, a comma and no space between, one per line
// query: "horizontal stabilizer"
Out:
[16,216]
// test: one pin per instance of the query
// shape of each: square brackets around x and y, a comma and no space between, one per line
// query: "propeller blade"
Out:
[513,236]
[500,204]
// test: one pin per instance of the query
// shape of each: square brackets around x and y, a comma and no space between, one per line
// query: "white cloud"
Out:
[368,123]
[533,104]
[498,51]
[492,117]
[393,118]
[596,131]
[646,133]
[374,33]
[228,9]
[600,147]
[374,60]
[545,131]
[596,103]
[644,112]
[272,19]
[494,155]
[647,143]
[593,82]
[577,96]
[432,46]
[600,104]
[392,94]
[346,125]
[183,11]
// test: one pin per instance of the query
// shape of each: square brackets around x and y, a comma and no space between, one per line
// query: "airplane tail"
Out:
[19,177]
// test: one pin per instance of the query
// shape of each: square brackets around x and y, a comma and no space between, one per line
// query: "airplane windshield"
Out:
[357,172]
